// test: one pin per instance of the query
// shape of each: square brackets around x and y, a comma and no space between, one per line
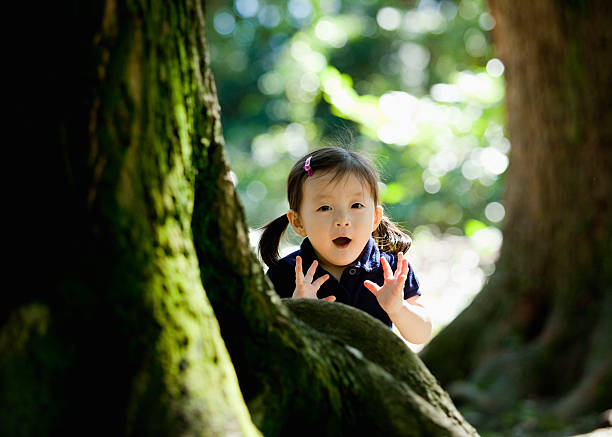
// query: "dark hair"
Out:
[389,237]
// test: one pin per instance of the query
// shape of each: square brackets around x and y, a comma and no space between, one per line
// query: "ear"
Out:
[296,223]
[378,215]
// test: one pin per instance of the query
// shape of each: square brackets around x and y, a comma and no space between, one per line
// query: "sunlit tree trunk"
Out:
[540,329]
[135,226]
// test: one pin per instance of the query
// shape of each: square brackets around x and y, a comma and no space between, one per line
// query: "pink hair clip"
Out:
[307,166]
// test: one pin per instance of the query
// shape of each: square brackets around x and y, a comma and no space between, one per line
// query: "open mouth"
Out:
[341,241]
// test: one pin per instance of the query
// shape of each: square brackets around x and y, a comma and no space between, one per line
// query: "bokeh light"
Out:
[328,31]
[495,67]
[224,23]
[389,18]
[495,212]
[468,9]
[269,16]
[246,8]
[475,42]
[486,21]
[300,9]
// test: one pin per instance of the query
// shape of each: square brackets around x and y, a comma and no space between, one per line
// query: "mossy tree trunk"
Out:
[540,330]
[133,225]
[118,337]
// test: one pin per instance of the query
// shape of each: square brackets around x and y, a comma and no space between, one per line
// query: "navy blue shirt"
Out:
[350,289]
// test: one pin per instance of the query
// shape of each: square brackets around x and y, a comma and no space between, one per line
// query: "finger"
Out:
[400,265]
[311,271]
[299,273]
[299,276]
[386,267]
[405,268]
[372,286]
[330,298]
[317,284]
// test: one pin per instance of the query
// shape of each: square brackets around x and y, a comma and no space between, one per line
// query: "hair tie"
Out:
[307,166]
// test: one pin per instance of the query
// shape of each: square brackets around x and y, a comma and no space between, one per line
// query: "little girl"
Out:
[348,254]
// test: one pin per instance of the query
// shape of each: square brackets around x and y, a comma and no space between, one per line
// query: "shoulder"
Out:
[285,262]
[391,258]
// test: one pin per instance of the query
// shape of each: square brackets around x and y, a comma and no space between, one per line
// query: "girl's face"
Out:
[337,217]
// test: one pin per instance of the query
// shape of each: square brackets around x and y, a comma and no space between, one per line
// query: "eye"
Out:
[324,208]
[357,205]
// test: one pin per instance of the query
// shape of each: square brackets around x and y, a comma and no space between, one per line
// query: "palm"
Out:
[305,286]
[391,295]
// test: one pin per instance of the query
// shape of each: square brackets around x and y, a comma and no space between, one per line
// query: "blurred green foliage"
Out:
[416,82]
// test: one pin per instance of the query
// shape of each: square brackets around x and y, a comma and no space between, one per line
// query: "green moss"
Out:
[30,320]
[189,369]
[33,363]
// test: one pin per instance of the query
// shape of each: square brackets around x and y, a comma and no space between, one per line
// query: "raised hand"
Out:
[304,285]
[391,295]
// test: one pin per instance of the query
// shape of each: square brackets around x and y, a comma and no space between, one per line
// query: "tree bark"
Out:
[118,338]
[135,226]
[540,329]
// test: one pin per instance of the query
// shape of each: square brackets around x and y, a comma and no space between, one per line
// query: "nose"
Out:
[342,220]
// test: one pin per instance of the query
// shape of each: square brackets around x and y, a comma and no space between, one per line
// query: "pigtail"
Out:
[270,239]
[390,237]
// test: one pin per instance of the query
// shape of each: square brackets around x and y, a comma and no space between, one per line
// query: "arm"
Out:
[412,321]
[409,315]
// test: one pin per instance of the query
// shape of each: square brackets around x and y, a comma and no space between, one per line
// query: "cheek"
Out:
[372,222]
[310,222]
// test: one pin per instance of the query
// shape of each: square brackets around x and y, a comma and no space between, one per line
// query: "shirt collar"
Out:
[368,260]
